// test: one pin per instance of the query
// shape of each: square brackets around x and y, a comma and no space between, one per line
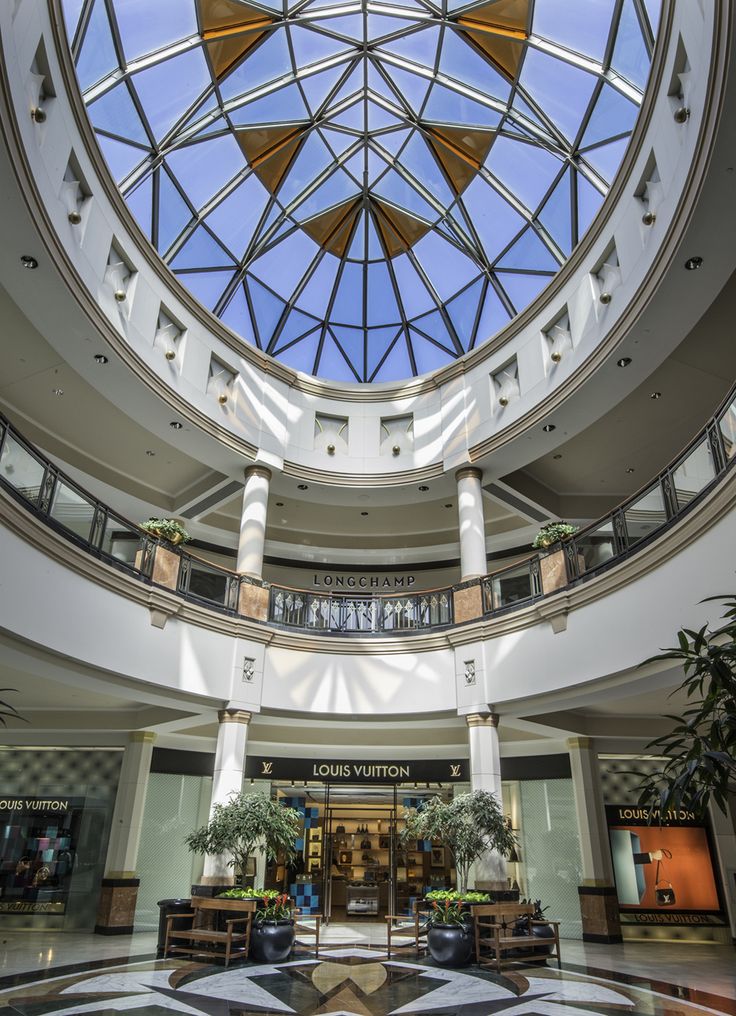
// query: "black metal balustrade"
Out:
[62,504]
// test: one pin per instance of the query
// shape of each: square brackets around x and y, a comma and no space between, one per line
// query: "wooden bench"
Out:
[496,943]
[203,938]
[300,928]
[407,931]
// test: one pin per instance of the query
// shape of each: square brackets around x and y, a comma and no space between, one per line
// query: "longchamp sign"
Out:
[350,581]
[357,771]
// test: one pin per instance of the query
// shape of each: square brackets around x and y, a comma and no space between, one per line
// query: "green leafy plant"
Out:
[553,532]
[167,529]
[239,893]
[469,826]
[9,712]
[275,908]
[440,895]
[700,750]
[246,824]
[448,912]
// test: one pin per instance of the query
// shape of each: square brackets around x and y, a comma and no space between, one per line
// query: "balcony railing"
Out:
[66,507]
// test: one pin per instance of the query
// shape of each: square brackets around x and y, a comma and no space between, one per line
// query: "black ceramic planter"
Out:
[271,941]
[451,945]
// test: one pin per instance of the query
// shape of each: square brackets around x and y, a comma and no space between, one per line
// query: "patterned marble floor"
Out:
[344,981]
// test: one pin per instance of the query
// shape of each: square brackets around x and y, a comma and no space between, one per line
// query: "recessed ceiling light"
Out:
[279,504]
[58,391]
[549,427]
[630,469]
[424,488]
[692,264]
[101,358]
[28,261]
[448,506]
[624,361]
[655,395]
[302,486]
[149,453]
[175,425]
[364,513]
[558,456]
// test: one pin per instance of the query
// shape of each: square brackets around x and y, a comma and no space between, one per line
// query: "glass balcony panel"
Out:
[21,469]
[121,541]
[512,585]
[72,509]
[288,607]
[595,547]
[693,473]
[645,514]
[208,583]
[319,613]
[727,426]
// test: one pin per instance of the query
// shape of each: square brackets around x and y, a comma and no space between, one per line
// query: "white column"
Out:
[227,779]
[253,521]
[471,523]
[589,811]
[485,774]
[127,816]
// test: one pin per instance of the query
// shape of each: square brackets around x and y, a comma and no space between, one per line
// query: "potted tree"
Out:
[273,929]
[469,826]
[247,824]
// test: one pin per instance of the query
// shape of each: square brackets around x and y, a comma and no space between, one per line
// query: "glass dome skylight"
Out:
[365,189]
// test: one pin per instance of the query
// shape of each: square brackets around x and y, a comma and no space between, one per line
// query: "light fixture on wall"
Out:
[101,359]
[28,261]
[175,425]
[692,264]
[624,361]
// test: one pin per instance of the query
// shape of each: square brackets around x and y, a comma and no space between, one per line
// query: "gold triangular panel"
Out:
[507,15]
[461,152]
[399,230]
[230,30]
[270,151]
[504,52]
[333,229]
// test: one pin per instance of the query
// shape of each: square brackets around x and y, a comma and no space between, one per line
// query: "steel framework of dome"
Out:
[364,190]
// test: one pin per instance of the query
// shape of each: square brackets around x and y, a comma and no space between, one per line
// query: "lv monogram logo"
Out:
[454,769]
[266,768]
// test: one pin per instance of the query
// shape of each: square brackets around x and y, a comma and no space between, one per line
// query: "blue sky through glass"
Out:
[365,191]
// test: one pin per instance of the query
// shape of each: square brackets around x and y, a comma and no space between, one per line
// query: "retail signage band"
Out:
[364,581]
[35,804]
[357,771]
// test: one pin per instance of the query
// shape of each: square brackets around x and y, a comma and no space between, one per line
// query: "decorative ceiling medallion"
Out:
[365,190]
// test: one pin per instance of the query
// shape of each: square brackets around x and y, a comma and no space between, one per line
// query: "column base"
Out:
[600,914]
[116,909]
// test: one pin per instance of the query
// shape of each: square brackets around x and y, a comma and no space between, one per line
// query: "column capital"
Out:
[262,471]
[234,716]
[136,736]
[469,472]
[482,719]
[579,743]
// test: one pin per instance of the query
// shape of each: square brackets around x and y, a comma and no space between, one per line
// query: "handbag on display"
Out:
[339,829]
[365,845]
[664,893]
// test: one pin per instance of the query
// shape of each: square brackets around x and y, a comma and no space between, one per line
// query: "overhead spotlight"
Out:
[692,264]
[28,261]
[655,395]
[624,361]
[630,469]
[101,359]
[364,513]
[448,505]
[556,356]
[424,488]
[150,453]
[170,354]
[557,456]
[58,391]
[279,504]
[649,218]
[681,114]
[175,425]
[302,486]
[605,298]
[549,427]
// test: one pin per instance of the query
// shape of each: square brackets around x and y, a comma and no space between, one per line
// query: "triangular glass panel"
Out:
[203,168]
[266,62]
[317,87]
[353,117]
[173,212]
[630,57]
[411,87]
[521,289]
[415,297]
[352,343]
[460,61]
[97,56]
[236,217]
[312,46]
[397,364]
[348,306]
[493,317]
[392,141]
[201,250]
[382,308]
[352,86]
[446,106]
[419,46]
[282,266]
[589,201]
[302,355]
[332,364]
[122,159]
[612,114]
[313,159]
[72,9]
[296,326]
[463,311]
[336,189]
[447,268]
[237,316]
[267,309]
[427,356]
[381,25]
[399,192]
[556,216]
[207,287]
[140,202]
[140,35]
[378,118]
[605,159]
[338,141]
[435,327]
[379,340]
[285,105]
[315,297]
[115,112]
[562,90]
[349,25]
